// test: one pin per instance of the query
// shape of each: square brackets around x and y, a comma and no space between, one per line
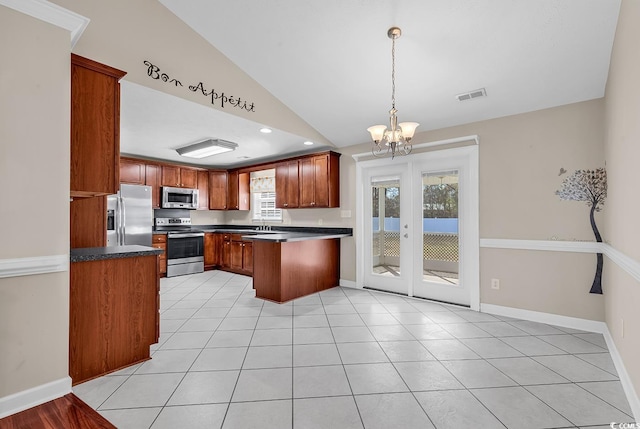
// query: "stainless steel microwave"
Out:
[179,198]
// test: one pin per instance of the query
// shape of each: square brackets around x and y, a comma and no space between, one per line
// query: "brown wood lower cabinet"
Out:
[114,315]
[289,270]
[212,250]
[237,255]
[159,241]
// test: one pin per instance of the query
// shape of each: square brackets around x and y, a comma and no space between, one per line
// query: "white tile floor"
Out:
[348,358]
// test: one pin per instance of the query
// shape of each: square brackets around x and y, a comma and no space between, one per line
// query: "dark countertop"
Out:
[292,236]
[279,234]
[85,254]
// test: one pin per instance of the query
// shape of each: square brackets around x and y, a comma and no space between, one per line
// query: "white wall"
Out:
[34,214]
[622,153]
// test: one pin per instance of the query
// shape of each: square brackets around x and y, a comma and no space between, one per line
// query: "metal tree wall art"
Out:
[589,186]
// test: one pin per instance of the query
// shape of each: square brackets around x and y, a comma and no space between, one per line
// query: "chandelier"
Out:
[396,139]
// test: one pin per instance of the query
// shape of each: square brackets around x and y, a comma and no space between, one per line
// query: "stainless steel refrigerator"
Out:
[130,216]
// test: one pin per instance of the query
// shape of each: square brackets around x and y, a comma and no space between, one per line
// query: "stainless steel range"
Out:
[185,246]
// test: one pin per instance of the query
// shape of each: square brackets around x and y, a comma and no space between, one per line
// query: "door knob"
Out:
[406,236]
[406,226]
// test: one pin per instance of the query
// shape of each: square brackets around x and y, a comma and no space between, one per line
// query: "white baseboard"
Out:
[583,325]
[627,385]
[348,283]
[548,318]
[33,397]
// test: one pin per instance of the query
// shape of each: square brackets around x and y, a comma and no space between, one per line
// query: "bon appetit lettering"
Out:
[217,98]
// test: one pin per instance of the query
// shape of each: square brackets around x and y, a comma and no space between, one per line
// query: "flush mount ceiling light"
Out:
[396,139]
[206,148]
[265,130]
[308,143]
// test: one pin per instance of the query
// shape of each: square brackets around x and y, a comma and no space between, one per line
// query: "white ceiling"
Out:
[330,60]
[154,124]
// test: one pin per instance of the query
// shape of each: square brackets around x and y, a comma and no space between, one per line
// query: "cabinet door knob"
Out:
[285,204]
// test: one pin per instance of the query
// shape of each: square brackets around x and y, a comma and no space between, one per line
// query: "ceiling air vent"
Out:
[476,93]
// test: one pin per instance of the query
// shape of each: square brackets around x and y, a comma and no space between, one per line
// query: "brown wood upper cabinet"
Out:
[203,190]
[232,191]
[95,128]
[320,180]
[132,171]
[287,184]
[229,190]
[244,191]
[218,190]
[153,175]
[179,177]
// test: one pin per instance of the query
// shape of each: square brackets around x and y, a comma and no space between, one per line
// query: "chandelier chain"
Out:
[393,72]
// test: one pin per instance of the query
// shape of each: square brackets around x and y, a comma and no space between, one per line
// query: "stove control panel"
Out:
[172,221]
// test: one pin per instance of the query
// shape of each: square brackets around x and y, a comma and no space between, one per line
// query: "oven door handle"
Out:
[187,235]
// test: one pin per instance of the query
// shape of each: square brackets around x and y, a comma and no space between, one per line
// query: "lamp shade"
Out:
[408,129]
[377,132]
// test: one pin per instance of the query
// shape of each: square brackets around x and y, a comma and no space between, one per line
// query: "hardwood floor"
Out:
[67,412]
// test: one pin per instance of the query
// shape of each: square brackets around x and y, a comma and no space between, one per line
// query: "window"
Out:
[264,206]
[263,196]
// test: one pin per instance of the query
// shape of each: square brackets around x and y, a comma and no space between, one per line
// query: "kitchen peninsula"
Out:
[293,261]
[114,303]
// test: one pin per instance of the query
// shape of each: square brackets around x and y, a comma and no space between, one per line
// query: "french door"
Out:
[420,226]
[388,244]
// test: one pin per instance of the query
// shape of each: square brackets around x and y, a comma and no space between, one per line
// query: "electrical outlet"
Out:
[622,328]
[320,221]
[495,283]
[345,213]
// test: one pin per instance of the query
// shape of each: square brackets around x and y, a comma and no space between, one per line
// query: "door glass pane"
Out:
[385,239]
[440,241]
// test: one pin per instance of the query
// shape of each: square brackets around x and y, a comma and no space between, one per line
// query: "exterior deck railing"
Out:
[436,246]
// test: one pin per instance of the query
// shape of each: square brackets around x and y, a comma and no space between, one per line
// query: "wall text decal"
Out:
[154,72]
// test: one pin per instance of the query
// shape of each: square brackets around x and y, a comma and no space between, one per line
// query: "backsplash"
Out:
[297,217]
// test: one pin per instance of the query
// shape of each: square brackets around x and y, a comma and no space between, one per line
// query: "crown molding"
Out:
[51,13]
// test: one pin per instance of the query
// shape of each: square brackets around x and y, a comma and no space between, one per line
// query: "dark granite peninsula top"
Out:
[85,254]
[278,234]
[285,237]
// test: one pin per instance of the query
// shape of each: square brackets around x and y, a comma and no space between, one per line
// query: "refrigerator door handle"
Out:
[116,221]
[123,224]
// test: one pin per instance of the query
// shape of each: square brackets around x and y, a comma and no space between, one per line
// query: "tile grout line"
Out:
[368,327]
[201,350]
[226,413]
[344,370]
